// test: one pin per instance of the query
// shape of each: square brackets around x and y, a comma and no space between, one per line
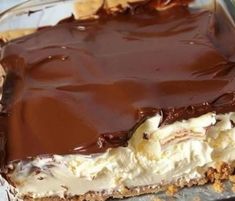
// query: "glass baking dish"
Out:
[33,14]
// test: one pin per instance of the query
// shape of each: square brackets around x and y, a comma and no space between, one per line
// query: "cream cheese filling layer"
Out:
[155,155]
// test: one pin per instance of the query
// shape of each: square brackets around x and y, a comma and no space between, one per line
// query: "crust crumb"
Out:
[124,190]
[221,172]
[232,178]
[157,199]
[233,188]
[86,9]
[218,186]
[224,170]
[171,190]
[196,199]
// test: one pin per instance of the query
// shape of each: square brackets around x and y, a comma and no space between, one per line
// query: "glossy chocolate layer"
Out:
[81,87]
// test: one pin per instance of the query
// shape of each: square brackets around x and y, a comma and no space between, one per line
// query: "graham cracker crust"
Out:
[222,172]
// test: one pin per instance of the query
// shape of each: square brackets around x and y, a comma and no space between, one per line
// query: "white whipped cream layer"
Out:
[155,155]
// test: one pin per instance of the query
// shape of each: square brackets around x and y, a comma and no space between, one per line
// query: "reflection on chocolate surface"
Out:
[82,87]
[164,4]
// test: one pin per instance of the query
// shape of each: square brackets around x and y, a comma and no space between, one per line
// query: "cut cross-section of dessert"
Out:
[119,106]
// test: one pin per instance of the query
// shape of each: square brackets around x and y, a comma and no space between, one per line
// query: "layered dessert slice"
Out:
[119,106]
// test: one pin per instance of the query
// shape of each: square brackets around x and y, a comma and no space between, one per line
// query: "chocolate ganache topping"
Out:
[82,87]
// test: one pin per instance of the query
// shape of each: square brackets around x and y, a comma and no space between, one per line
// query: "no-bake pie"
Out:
[119,106]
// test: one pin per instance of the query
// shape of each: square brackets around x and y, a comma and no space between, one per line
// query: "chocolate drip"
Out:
[82,87]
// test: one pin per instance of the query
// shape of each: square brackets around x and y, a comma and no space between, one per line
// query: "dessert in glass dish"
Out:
[134,100]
